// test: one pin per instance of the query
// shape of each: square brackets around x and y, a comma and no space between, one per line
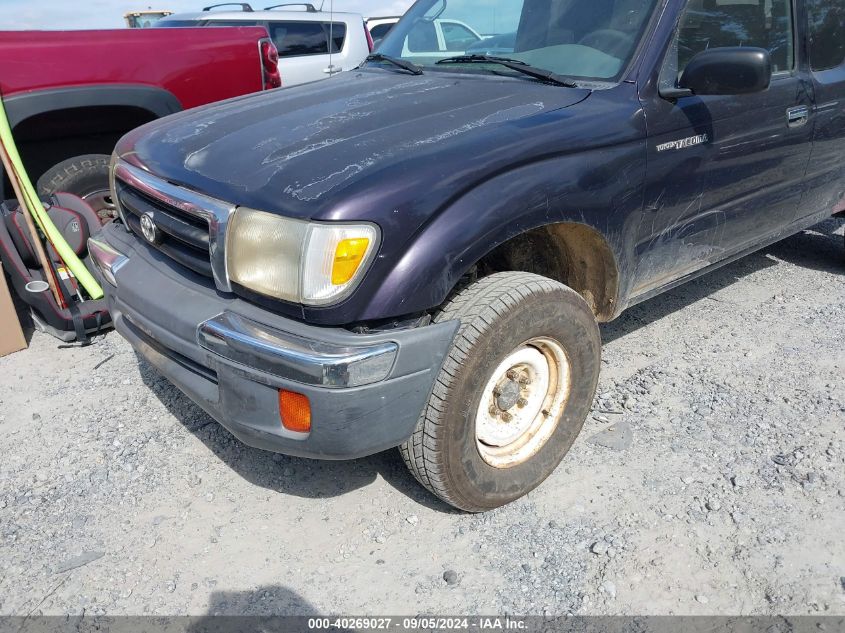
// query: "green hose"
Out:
[36,210]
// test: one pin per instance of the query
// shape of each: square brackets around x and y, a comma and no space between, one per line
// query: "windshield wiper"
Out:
[514,64]
[401,63]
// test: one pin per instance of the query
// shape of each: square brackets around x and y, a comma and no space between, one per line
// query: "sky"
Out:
[108,14]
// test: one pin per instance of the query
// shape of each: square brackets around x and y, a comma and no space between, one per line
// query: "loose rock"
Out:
[114,463]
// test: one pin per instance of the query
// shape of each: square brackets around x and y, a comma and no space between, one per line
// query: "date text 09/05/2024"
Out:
[417,623]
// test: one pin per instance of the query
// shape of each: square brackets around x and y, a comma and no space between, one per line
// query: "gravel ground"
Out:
[708,480]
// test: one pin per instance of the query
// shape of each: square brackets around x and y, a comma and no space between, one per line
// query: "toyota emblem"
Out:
[149,229]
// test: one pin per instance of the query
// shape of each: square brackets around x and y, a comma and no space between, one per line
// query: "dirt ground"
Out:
[710,478]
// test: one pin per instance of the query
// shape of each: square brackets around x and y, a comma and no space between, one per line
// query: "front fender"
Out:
[601,188]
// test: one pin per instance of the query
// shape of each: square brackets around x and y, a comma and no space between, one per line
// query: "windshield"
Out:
[591,39]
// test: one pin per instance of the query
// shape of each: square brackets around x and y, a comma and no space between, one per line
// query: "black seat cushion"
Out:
[74,219]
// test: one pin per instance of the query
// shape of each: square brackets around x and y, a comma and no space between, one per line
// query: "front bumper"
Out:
[231,357]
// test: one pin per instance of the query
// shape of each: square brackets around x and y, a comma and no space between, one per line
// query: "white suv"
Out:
[312,44]
[430,39]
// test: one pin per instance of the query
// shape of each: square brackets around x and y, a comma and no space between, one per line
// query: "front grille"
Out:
[185,237]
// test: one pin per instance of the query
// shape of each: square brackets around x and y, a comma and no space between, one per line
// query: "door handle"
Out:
[797,116]
[332,70]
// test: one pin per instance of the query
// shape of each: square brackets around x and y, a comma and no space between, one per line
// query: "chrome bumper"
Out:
[275,352]
[108,259]
[286,355]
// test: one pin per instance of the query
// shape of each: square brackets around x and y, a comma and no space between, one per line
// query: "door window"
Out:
[827,33]
[716,23]
[457,37]
[299,38]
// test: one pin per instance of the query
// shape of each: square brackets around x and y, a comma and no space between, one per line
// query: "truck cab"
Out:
[418,253]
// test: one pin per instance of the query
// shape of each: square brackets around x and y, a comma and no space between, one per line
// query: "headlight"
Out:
[297,261]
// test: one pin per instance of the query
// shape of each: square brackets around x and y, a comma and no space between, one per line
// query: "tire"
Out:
[505,317]
[86,176]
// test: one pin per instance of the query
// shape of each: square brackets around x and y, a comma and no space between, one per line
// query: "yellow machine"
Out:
[144,19]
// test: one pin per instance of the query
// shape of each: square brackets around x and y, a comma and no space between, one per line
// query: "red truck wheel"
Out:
[86,176]
[512,394]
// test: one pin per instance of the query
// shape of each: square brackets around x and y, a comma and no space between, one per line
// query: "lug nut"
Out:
[524,380]
[521,402]
[512,374]
[507,417]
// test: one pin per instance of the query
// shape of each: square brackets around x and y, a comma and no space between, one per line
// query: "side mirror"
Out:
[731,70]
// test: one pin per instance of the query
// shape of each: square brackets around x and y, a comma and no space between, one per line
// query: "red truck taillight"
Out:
[370,44]
[270,65]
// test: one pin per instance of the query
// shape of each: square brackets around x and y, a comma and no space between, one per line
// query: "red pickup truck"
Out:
[70,95]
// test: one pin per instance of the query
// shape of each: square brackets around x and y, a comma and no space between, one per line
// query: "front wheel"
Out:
[86,176]
[511,395]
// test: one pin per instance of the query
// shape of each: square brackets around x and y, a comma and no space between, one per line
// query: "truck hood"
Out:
[335,148]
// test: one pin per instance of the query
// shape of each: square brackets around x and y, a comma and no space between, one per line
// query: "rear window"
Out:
[307,38]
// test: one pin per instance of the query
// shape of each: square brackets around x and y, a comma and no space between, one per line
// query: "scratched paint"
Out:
[277,150]
[501,116]
[317,188]
[451,165]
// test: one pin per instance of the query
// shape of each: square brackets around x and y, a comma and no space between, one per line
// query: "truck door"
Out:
[826,172]
[723,172]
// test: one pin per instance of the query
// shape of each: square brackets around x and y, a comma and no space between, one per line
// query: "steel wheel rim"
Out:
[101,202]
[522,402]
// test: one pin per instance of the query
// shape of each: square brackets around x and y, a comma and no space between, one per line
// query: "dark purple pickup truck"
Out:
[418,253]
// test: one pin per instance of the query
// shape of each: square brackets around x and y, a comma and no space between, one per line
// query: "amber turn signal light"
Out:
[294,411]
[348,256]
